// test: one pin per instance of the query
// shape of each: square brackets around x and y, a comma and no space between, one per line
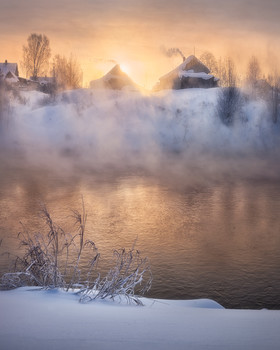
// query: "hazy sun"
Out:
[125,68]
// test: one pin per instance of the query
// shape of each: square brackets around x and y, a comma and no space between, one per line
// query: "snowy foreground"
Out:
[35,319]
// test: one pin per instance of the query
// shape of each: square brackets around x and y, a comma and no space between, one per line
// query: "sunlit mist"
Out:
[132,33]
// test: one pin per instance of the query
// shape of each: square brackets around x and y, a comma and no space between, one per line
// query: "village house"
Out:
[9,72]
[45,84]
[192,73]
[115,79]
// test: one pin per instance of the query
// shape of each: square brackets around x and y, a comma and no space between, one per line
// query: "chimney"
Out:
[6,62]
[184,58]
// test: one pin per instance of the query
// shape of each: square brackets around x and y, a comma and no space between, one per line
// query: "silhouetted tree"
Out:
[67,72]
[274,99]
[229,97]
[36,55]
[210,61]
[253,71]
[228,104]
[227,72]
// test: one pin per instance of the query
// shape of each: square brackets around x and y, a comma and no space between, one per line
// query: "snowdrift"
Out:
[33,319]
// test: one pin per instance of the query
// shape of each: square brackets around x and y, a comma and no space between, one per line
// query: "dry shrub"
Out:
[130,272]
[52,260]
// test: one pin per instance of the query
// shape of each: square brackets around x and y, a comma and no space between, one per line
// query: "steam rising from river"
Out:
[173,134]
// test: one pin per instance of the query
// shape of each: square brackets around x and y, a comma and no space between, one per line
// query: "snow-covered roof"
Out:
[11,77]
[191,74]
[190,64]
[114,79]
[7,67]
[116,73]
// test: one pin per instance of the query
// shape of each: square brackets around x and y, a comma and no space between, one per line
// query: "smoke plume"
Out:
[174,51]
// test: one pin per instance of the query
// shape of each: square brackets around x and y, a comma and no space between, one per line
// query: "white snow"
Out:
[114,127]
[178,69]
[181,69]
[36,319]
[201,75]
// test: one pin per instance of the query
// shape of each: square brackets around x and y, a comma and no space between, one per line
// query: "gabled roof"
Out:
[7,67]
[191,64]
[11,77]
[114,79]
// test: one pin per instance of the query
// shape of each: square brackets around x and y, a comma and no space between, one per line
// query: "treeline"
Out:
[226,70]
[255,85]
[65,71]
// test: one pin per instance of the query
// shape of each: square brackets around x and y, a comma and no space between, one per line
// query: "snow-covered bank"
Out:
[55,320]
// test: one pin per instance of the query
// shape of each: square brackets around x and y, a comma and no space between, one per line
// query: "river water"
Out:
[218,240]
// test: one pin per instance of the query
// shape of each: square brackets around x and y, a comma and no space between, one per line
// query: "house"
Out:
[46,84]
[27,84]
[115,79]
[192,73]
[9,72]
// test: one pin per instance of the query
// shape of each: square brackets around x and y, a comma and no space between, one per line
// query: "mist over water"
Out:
[201,197]
[174,134]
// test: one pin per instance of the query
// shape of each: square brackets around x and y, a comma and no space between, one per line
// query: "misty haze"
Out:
[161,168]
[140,175]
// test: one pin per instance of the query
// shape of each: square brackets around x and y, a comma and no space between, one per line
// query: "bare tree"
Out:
[253,71]
[228,104]
[274,99]
[67,72]
[210,61]
[36,55]
[227,72]
[229,98]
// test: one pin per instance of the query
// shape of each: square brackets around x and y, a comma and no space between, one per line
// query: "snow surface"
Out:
[36,319]
[172,133]
[201,75]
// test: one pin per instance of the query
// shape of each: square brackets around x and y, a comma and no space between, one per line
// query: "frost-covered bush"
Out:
[52,260]
[127,274]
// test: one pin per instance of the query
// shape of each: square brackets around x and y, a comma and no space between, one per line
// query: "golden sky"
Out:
[133,33]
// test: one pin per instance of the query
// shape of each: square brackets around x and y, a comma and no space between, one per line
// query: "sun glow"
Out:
[125,68]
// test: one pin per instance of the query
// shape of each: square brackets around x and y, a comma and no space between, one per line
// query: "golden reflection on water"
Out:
[217,241]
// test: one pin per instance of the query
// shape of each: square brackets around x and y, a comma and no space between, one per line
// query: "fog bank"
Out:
[172,133]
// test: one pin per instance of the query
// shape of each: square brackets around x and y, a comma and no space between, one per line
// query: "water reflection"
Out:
[219,241]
